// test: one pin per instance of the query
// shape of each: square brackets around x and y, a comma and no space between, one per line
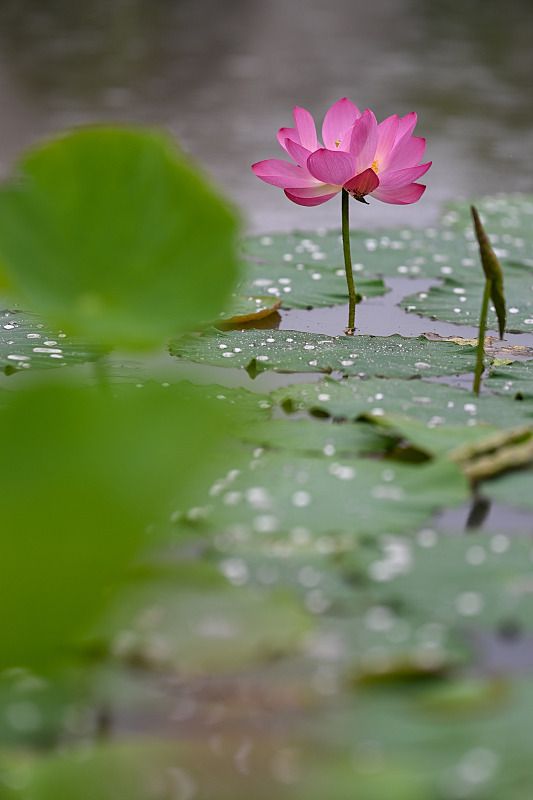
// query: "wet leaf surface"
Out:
[278,492]
[294,351]
[458,300]
[290,270]
[249,308]
[409,252]
[27,343]
[434,404]
[320,439]
[514,380]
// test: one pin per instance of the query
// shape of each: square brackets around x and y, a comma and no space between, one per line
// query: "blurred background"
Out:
[224,76]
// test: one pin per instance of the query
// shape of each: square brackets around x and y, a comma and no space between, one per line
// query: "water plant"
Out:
[493,291]
[360,158]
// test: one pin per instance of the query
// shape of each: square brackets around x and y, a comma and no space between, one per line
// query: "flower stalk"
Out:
[352,297]
[480,353]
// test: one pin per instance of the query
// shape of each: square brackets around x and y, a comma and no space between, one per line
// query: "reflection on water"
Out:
[224,76]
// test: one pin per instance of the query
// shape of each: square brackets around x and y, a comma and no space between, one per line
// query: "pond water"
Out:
[223,77]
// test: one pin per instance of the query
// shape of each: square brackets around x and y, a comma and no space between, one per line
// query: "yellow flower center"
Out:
[337,142]
[375,166]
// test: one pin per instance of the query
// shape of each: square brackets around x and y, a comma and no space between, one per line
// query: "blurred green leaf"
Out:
[280,491]
[513,489]
[189,620]
[514,380]
[113,236]
[84,473]
[318,438]
[262,769]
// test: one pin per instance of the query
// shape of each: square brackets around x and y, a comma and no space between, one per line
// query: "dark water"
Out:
[223,76]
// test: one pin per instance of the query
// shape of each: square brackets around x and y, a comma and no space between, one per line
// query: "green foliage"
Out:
[289,622]
[508,219]
[513,489]
[27,343]
[458,299]
[187,618]
[300,272]
[319,439]
[89,471]
[436,405]
[281,491]
[294,351]
[513,380]
[112,236]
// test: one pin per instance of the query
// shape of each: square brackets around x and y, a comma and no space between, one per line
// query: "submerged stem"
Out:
[480,356]
[350,330]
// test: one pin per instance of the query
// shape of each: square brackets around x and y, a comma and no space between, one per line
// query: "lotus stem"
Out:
[480,356]
[350,330]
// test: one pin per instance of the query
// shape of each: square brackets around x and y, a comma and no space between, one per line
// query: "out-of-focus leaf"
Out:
[317,438]
[189,620]
[279,492]
[113,236]
[390,252]
[513,489]
[514,380]
[302,270]
[84,473]
[259,768]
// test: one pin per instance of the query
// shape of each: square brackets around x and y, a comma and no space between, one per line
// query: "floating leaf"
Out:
[202,625]
[294,351]
[268,766]
[99,232]
[508,218]
[25,342]
[514,380]
[430,596]
[318,438]
[492,346]
[433,404]
[249,309]
[280,492]
[513,489]
[301,280]
[476,748]
[458,300]
[394,252]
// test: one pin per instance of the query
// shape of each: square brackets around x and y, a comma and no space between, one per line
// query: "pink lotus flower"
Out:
[359,155]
